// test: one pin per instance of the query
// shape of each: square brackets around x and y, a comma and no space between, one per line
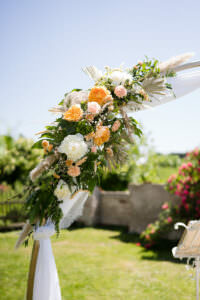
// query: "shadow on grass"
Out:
[161,252]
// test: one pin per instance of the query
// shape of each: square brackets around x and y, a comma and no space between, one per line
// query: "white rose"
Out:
[75,98]
[62,190]
[119,77]
[73,146]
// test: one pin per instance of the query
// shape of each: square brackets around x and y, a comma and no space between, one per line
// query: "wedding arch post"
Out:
[32,268]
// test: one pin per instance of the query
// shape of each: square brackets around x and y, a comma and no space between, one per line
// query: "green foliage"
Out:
[84,127]
[143,165]
[140,71]
[17,159]
[150,166]
[115,180]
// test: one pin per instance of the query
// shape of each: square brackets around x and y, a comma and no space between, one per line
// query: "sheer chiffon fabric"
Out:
[46,282]
[182,85]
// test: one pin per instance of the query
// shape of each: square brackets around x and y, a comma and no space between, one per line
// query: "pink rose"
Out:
[165,206]
[138,244]
[189,164]
[185,192]
[183,167]
[94,108]
[172,177]
[186,206]
[147,237]
[196,152]
[120,91]
[169,219]
[93,149]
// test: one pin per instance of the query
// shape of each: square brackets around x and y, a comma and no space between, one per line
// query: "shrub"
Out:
[143,165]
[17,158]
[186,185]
[115,181]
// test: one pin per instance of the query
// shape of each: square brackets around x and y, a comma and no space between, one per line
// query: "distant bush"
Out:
[143,165]
[186,185]
[17,158]
[115,181]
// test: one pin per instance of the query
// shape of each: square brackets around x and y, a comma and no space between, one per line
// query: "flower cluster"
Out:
[186,186]
[89,135]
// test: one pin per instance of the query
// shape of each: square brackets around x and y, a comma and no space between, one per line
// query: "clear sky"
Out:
[45,43]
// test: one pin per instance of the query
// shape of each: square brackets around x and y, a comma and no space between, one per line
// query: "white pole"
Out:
[197,277]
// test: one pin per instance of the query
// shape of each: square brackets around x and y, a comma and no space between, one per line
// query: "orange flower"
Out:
[56,176]
[50,147]
[109,151]
[89,136]
[74,113]
[102,135]
[45,144]
[74,171]
[99,95]
[69,162]
[90,117]
[81,161]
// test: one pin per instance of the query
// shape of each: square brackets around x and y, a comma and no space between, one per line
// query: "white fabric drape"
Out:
[182,84]
[73,208]
[46,283]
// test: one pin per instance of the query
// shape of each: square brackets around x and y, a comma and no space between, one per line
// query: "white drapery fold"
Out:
[46,282]
[73,208]
[182,84]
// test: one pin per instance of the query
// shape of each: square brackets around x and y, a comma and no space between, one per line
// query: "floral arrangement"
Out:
[186,186]
[91,133]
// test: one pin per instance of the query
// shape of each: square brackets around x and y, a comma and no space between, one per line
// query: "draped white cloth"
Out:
[73,208]
[46,283]
[182,85]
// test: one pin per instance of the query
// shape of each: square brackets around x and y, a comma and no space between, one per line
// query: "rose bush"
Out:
[186,185]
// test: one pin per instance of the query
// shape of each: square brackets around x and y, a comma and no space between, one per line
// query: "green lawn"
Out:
[99,264]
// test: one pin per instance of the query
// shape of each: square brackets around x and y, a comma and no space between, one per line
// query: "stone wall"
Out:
[146,202]
[115,208]
[135,208]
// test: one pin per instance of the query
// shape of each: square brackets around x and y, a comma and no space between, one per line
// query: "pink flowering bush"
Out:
[186,185]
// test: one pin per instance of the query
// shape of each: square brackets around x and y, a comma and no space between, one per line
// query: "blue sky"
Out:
[44,44]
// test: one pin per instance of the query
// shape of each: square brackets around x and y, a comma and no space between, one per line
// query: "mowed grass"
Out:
[96,264]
